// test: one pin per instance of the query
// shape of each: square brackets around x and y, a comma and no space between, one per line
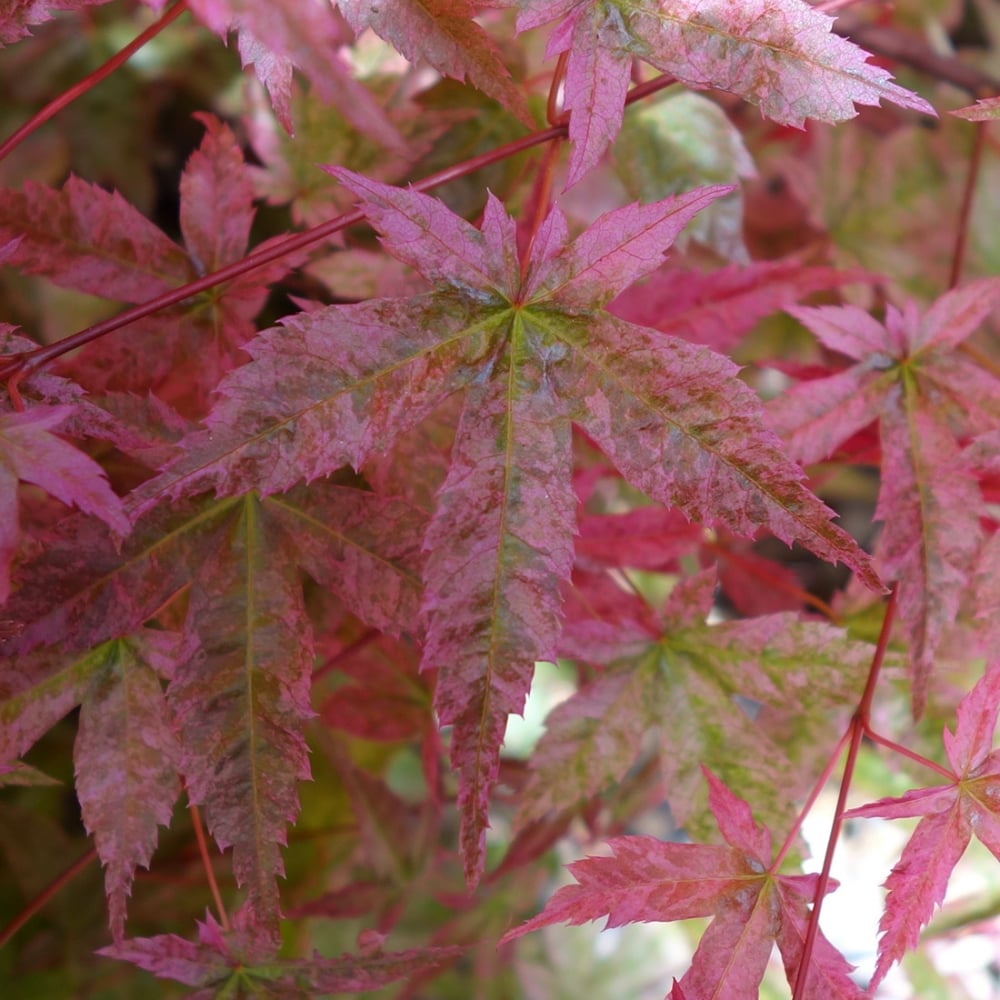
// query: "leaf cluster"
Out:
[418,357]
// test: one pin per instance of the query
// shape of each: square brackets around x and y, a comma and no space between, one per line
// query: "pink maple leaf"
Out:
[533,355]
[443,33]
[951,814]
[220,958]
[778,54]
[924,394]
[18,16]
[278,36]
[753,906]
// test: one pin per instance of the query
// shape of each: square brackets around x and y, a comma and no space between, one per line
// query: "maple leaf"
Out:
[444,33]
[532,355]
[84,238]
[681,688]
[126,760]
[753,906]
[950,815]
[719,308]
[31,453]
[925,395]
[239,689]
[222,964]
[778,54]
[677,141]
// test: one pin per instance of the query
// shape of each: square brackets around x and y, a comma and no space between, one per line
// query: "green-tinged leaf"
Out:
[768,684]
[532,351]
[683,141]
[501,544]
[325,390]
[241,698]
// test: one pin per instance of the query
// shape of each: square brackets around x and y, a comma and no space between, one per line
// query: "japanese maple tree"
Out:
[407,355]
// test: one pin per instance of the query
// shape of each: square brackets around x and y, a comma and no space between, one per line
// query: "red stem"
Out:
[859,726]
[554,115]
[79,89]
[811,801]
[911,754]
[543,199]
[45,895]
[20,366]
[965,212]
[206,861]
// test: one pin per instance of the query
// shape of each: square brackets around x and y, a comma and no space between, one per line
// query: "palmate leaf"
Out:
[753,906]
[222,965]
[338,385]
[778,54]
[238,691]
[951,814]
[85,238]
[683,695]
[925,394]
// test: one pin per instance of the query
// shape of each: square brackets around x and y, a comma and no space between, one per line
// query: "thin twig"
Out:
[91,80]
[45,895]
[860,724]
[20,366]
[206,861]
[965,212]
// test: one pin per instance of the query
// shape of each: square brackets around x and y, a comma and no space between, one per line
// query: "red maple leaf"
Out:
[754,907]
[778,54]
[926,396]
[534,354]
[951,814]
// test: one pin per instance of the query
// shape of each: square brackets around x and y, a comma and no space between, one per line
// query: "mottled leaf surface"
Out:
[950,815]
[907,374]
[126,766]
[777,54]
[685,693]
[533,355]
[753,906]
[86,238]
[241,699]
